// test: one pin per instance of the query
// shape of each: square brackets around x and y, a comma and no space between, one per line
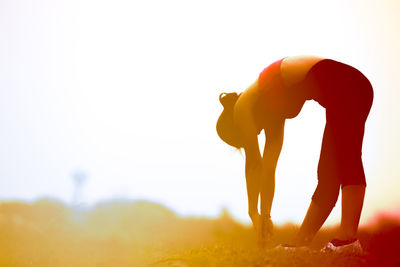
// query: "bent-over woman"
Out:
[279,94]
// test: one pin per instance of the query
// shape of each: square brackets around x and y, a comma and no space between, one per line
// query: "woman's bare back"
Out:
[295,69]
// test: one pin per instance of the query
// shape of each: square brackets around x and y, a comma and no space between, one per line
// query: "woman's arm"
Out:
[244,118]
[260,171]
[260,176]
[253,170]
[273,145]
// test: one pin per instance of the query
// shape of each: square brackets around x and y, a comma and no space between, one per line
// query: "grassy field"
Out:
[47,233]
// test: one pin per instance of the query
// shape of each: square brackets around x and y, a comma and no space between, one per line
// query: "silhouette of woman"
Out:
[279,94]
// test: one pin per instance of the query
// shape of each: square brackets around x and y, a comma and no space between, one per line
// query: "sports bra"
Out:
[274,96]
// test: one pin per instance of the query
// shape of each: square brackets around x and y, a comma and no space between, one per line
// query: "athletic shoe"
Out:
[344,247]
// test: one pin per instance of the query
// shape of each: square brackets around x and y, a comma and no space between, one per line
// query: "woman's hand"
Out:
[267,226]
[255,219]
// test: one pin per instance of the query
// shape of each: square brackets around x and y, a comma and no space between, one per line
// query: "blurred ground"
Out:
[47,233]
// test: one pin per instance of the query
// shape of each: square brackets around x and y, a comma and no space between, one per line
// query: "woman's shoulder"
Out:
[250,114]
[243,112]
[247,99]
[294,69]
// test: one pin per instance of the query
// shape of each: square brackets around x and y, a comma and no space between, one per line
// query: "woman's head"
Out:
[226,128]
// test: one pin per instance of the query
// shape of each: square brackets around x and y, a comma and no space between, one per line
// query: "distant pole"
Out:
[79,178]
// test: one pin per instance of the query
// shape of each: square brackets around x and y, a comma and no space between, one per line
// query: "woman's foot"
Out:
[341,242]
[352,246]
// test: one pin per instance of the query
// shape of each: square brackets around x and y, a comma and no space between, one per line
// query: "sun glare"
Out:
[129,91]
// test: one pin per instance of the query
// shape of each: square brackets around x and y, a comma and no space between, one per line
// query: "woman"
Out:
[279,94]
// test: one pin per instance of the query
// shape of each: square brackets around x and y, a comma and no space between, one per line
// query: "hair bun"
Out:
[228,100]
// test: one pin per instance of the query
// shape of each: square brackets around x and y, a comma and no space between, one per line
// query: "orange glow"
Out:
[127,91]
[46,234]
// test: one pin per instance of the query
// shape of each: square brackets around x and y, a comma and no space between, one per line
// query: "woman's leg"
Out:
[348,139]
[326,193]
[353,181]
[348,100]
[315,218]
[352,203]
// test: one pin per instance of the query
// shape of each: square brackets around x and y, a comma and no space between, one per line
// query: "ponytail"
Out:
[228,100]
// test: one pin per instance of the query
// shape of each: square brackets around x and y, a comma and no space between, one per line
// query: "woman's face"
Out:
[228,131]
[226,128]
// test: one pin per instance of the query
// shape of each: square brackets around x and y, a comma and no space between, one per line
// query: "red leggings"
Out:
[347,97]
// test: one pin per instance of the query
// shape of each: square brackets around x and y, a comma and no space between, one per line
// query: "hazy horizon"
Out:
[127,92]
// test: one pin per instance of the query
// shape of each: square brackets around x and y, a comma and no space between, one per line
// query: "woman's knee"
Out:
[326,193]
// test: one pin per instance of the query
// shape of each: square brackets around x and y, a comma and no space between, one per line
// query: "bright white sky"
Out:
[128,92]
